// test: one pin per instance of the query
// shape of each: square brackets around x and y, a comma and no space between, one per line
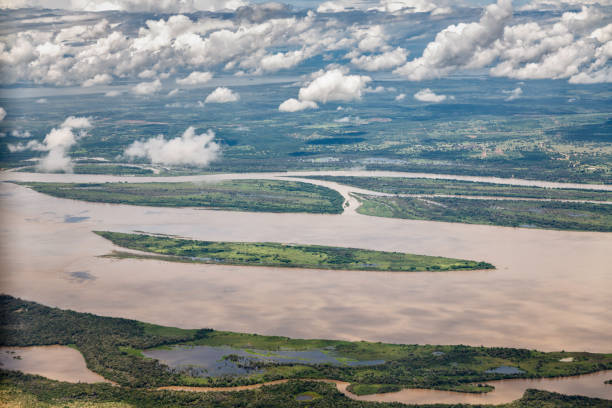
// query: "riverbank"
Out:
[120,351]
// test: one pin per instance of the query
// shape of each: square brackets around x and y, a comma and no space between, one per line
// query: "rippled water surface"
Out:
[551,289]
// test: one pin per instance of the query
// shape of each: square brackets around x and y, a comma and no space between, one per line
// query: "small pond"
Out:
[55,362]
[505,370]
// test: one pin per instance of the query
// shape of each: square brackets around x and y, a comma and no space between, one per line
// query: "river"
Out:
[592,385]
[551,289]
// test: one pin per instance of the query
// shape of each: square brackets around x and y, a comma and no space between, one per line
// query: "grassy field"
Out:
[110,347]
[401,185]
[242,195]
[288,256]
[510,213]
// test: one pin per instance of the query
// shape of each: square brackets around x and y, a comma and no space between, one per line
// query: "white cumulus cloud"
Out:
[161,6]
[24,134]
[332,85]
[57,143]
[386,60]
[412,6]
[595,77]
[336,6]
[77,122]
[189,149]
[576,45]
[99,79]
[513,94]
[147,88]
[2,113]
[195,78]
[222,95]
[572,42]
[461,45]
[557,4]
[293,105]
[427,95]
[387,6]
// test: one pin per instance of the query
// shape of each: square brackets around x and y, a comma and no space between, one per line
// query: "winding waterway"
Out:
[551,289]
[67,364]
[592,385]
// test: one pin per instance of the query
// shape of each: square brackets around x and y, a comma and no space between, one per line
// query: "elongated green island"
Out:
[236,195]
[283,255]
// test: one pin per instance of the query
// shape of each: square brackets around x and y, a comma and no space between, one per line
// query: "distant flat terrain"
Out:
[281,255]
[559,215]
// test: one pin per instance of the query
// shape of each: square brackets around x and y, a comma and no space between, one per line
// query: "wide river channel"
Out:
[551,289]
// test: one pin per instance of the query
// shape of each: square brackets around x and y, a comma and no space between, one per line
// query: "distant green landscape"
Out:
[239,195]
[510,213]
[283,255]
[111,347]
[424,186]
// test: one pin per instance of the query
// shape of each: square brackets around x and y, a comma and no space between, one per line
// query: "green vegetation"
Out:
[240,195]
[110,347]
[536,138]
[307,396]
[104,168]
[367,389]
[510,213]
[423,186]
[18,391]
[289,256]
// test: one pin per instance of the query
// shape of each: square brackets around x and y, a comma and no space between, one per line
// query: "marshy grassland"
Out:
[238,195]
[558,215]
[112,347]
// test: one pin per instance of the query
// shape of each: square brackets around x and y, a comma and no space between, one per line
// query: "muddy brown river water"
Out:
[56,362]
[505,390]
[551,289]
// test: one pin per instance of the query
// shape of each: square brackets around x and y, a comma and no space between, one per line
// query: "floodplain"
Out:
[111,347]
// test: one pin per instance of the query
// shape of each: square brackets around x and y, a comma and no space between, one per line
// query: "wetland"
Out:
[112,347]
[282,255]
